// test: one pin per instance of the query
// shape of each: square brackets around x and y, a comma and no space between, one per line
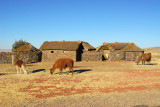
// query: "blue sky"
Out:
[93,21]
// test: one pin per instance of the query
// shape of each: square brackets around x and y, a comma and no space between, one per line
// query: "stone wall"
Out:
[53,55]
[116,56]
[127,56]
[27,57]
[6,57]
[132,56]
[92,56]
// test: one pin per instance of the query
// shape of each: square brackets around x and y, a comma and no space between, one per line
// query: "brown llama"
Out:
[20,65]
[62,64]
[144,57]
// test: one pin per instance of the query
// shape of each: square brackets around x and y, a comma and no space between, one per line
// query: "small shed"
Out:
[120,51]
[53,50]
[27,53]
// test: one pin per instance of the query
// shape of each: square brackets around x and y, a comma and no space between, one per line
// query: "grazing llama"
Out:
[144,57]
[20,65]
[62,64]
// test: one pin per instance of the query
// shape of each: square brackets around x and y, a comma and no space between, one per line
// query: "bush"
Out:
[18,44]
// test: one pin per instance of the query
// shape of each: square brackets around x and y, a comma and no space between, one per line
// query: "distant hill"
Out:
[153,50]
[5,50]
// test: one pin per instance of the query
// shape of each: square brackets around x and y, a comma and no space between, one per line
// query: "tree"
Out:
[18,44]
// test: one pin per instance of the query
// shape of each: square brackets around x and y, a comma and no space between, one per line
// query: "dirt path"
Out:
[93,84]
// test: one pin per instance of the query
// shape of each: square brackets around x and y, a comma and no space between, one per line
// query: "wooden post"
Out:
[14,58]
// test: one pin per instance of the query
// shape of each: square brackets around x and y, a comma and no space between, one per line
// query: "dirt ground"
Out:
[94,84]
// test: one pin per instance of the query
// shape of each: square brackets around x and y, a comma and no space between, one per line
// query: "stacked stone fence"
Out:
[116,56]
[127,56]
[6,57]
[27,57]
[47,56]
[92,56]
[132,56]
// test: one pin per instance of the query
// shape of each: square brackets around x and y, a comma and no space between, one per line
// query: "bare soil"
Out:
[94,84]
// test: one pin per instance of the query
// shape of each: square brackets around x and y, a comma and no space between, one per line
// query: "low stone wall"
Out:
[6,57]
[132,56]
[127,56]
[116,56]
[92,56]
[27,57]
[53,55]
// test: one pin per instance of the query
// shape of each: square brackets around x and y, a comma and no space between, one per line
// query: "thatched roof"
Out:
[65,45]
[119,46]
[60,45]
[26,47]
[116,45]
[87,46]
[131,47]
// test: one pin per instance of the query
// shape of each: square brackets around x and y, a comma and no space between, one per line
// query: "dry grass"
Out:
[91,80]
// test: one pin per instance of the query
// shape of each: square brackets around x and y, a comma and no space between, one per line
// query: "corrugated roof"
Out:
[26,47]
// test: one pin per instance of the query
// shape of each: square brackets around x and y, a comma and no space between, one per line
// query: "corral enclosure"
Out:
[6,57]
[27,53]
[106,83]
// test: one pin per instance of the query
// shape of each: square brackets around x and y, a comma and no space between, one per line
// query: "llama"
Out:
[144,57]
[20,65]
[62,64]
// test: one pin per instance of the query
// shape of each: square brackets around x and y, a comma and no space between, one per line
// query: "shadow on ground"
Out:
[150,64]
[76,71]
[144,106]
[38,70]
[3,74]
[82,70]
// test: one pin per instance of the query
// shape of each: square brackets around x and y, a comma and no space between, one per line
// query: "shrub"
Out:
[18,44]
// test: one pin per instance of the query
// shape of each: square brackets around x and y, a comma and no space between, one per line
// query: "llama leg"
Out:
[137,62]
[60,71]
[20,70]
[17,70]
[69,71]
[72,71]
[24,70]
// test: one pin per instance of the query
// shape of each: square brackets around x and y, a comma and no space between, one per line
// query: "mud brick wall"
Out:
[92,56]
[53,55]
[6,57]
